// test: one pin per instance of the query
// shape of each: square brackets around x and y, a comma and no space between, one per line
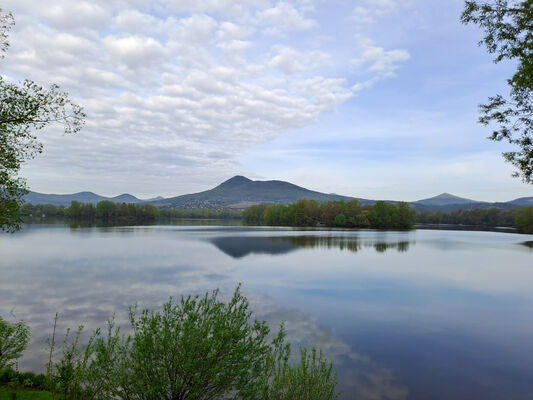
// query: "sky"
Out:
[366,98]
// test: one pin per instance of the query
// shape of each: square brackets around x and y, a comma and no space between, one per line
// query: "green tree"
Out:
[524,219]
[273,214]
[25,107]
[508,27]
[340,220]
[406,217]
[254,215]
[382,215]
[106,211]
[14,338]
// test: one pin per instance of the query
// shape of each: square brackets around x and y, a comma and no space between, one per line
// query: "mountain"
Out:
[444,199]
[446,202]
[522,201]
[82,197]
[240,192]
[155,198]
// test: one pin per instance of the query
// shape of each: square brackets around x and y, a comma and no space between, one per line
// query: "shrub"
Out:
[198,348]
[14,338]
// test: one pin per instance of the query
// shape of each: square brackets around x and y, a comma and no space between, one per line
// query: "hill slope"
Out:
[522,201]
[444,199]
[82,197]
[241,192]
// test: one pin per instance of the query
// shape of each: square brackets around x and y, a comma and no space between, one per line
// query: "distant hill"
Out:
[522,201]
[82,197]
[444,199]
[240,192]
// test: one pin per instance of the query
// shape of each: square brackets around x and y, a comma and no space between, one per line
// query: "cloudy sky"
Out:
[368,98]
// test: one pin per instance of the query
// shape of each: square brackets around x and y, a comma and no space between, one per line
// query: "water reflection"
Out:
[242,246]
[449,319]
[239,247]
[528,244]
[360,377]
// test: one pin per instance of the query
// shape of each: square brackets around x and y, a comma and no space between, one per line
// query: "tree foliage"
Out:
[14,338]
[508,27]
[199,348]
[312,378]
[524,219]
[25,108]
[351,214]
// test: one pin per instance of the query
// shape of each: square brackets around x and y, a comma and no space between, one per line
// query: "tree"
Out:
[508,27]
[13,341]
[524,219]
[25,107]
[340,220]
[106,210]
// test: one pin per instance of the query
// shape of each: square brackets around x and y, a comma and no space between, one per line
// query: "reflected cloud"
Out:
[242,246]
[359,376]
[87,275]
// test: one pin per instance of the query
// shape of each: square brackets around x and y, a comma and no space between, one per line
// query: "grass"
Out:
[22,394]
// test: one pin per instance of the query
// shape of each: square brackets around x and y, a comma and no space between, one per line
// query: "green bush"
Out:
[198,348]
[14,338]
[12,378]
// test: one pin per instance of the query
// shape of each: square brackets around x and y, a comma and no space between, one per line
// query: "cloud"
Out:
[134,51]
[74,15]
[290,60]
[377,62]
[372,10]
[180,78]
[283,16]
[132,21]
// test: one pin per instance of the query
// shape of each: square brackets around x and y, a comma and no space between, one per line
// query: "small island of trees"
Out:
[350,214]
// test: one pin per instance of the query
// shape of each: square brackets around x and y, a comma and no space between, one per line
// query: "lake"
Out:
[423,314]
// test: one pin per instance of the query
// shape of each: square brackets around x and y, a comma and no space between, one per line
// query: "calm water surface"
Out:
[404,315]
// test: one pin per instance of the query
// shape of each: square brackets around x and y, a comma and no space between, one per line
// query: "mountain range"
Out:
[240,192]
[82,197]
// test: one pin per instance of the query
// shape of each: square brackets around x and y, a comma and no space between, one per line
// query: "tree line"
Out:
[105,211]
[109,212]
[342,214]
[520,218]
[198,213]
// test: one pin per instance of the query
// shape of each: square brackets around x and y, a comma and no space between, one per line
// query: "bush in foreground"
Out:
[14,338]
[199,348]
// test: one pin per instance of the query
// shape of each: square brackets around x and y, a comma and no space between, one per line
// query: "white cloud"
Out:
[173,82]
[74,15]
[370,11]
[377,62]
[134,51]
[230,31]
[284,16]
[134,22]
[376,59]
[290,60]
